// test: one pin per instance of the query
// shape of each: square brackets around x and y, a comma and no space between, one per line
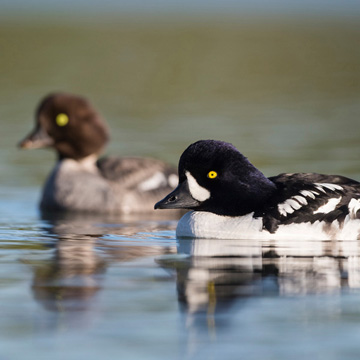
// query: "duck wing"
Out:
[143,174]
[310,197]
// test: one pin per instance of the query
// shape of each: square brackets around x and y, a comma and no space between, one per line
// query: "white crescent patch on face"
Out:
[198,192]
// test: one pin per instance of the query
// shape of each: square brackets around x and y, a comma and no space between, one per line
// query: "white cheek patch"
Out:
[198,192]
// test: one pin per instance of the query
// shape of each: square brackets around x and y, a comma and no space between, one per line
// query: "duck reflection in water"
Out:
[215,275]
[69,281]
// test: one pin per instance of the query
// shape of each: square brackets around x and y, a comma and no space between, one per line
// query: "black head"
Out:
[70,124]
[214,176]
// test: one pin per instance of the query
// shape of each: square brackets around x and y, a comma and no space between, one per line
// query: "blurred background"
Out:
[278,79]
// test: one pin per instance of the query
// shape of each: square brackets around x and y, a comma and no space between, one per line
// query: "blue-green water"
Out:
[285,90]
[88,287]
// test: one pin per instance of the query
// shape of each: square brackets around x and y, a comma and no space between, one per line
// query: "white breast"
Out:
[198,224]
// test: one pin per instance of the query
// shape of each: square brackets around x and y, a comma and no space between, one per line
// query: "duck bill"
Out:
[36,139]
[180,198]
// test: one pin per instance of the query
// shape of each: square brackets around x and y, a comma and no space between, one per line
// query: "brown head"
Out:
[69,124]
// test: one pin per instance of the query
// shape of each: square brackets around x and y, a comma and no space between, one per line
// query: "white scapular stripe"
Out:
[328,186]
[300,199]
[288,207]
[198,192]
[329,206]
[309,193]
[319,187]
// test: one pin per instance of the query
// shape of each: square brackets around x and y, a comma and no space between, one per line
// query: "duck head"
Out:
[70,125]
[214,176]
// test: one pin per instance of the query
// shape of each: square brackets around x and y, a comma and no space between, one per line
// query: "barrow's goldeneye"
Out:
[232,199]
[82,182]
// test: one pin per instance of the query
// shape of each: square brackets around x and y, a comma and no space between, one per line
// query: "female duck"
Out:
[234,200]
[82,182]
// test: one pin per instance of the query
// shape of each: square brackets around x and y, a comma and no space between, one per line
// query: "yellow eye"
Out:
[212,174]
[62,119]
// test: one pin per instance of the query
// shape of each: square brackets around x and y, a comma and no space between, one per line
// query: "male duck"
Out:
[234,200]
[82,182]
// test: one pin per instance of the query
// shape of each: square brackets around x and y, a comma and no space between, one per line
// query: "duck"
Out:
[81,181]
[229,198]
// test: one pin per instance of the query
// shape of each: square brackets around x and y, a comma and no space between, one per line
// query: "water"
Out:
[284,90]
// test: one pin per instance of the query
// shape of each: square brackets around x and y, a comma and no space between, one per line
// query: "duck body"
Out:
[80,181]
[108,185]
[231,199]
